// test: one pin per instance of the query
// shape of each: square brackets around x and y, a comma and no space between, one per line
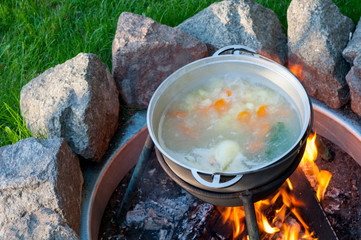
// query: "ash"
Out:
[160,209]
[342,199]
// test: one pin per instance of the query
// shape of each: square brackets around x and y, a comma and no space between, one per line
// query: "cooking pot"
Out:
[245,62]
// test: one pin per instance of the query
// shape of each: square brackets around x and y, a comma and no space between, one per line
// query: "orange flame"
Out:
[296,69]
[293,233]
[323,179]
[272,56]
[289,184]
[236,215]
[267,226]
[313,173]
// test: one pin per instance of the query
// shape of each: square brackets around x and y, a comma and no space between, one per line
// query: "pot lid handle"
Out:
[216,180]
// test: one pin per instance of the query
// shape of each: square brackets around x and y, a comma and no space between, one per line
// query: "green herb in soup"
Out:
[229,125]
[278,140]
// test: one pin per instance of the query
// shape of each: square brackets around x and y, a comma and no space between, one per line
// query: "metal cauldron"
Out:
[247,62]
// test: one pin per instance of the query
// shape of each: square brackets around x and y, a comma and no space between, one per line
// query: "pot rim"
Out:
[283,71]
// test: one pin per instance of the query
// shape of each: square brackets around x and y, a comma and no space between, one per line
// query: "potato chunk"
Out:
[225,152]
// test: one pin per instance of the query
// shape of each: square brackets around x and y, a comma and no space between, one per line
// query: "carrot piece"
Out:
[190,132]
[262,130]
[255,146]
[244,116]
[180,114]
[229,93]
[221,105]
[262,111]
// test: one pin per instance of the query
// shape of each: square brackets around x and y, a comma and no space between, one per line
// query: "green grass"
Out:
[38,34]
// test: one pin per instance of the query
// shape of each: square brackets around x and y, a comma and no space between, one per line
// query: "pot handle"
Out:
[236,50]
[216,180]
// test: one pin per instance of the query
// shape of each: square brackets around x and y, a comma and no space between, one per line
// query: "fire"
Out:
[236,216]
[313,173]
[278,225]
[296,69]
[267,226]
[292,233]
[272,56]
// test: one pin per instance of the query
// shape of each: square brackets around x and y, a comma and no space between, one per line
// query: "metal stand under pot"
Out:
[245,198]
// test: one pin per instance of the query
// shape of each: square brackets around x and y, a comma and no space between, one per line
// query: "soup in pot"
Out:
[229,124]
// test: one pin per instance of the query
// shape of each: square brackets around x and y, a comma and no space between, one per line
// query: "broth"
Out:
[229,124]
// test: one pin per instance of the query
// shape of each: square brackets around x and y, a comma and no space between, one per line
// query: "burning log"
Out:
[197,223]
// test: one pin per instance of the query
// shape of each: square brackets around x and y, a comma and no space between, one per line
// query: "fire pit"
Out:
[101,180]
[161,205]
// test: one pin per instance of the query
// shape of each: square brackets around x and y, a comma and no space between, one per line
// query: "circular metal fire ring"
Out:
[101,179]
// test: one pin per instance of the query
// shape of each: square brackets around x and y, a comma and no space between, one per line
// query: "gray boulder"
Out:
[317,34]
[145,53]
[76,100]
[353,48]
[43,224]
[36,174]
[239,22]
[353,79]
